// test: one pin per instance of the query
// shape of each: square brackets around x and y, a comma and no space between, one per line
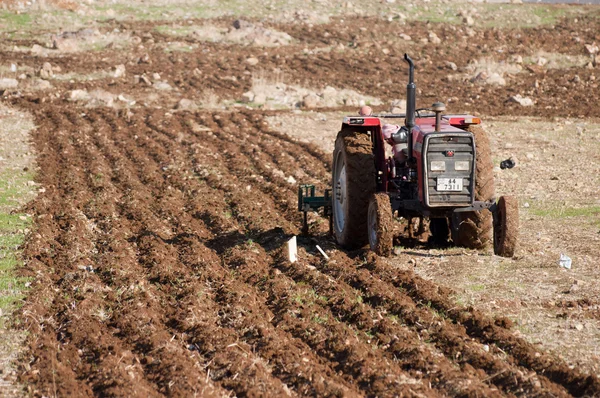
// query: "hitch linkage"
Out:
[307,201]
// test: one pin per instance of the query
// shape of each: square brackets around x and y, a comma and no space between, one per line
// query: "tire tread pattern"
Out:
[475,227]
[381,208]
[361,177]
[506,226]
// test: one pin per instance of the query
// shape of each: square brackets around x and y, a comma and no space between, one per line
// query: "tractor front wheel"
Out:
[353,183]
[506,226]
[381,224]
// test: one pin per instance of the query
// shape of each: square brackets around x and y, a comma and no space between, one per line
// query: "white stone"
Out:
[451,65]
[101,97]
[247,97]
[8,83]
[496,79]
[162,86]
[119,71]
[260,98]
[329,92]
[434,38]
[311,101]
[79,95]
[46,71]
[184,104]
[42,84]
[592,48]
[523,101]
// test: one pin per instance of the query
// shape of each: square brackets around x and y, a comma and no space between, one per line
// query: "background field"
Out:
[150,158]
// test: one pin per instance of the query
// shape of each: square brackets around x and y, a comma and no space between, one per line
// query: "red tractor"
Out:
[440,169]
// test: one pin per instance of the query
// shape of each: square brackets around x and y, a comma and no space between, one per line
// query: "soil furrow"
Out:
[72,272]
[168,241]
[486,330]
[154,264]
[296,328]
[450,338]
[157,258]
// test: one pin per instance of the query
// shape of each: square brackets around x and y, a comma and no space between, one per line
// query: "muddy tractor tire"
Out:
[380,224]
[353,183]
[506,226]
[473,229]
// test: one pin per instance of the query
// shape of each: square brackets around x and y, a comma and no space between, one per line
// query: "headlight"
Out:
[461,165]
[438,165]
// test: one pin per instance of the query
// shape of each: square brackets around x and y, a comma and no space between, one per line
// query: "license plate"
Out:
[450,184]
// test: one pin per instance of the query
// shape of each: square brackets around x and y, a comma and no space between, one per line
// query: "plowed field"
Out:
[157,259]
[159,271]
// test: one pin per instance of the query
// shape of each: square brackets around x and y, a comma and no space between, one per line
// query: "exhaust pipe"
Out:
[411,104]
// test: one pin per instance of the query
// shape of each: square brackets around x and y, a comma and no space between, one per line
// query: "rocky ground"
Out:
[170,147]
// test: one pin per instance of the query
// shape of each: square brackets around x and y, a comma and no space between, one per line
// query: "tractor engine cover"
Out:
[448,169]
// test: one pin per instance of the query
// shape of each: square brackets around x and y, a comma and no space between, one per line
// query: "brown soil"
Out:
[222,68]
[381,224]
[158,270]
[157,266]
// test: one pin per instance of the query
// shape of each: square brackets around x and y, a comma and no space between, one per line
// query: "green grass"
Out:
[13,21]
[158,12]
[548,15]
[8,224]
[486,15]
[477,287]
[179,48]
[175,30]
[12,287]
[491,15]
[566,211]
[13,187]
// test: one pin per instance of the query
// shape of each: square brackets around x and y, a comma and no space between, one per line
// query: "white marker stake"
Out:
[292,250]
[323,253]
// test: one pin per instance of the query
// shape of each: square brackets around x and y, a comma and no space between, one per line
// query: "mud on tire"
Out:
[353,182]
[474,229]
[381,224]
[506,226]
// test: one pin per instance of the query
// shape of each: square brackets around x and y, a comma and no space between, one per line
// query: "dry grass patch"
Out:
[269,91]
[16,187]
[242,32]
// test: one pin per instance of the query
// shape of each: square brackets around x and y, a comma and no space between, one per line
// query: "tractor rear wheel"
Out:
[381,224]
[506,226]
[473,229]
[353,183]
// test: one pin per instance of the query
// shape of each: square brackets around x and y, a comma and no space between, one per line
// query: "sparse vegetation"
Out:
[563,211]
